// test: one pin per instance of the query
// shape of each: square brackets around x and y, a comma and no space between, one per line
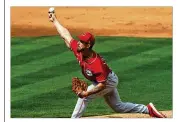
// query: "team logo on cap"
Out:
[88,72]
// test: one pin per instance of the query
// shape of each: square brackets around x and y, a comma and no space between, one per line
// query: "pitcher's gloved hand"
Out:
[79,87]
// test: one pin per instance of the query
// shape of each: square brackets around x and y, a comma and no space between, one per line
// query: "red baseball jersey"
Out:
[94,68]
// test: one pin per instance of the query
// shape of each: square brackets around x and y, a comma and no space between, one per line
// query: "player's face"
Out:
[82,46]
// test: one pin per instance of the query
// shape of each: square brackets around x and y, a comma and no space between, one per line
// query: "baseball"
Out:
[52,10]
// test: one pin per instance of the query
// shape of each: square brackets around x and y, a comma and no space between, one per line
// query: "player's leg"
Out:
[80,107]
[82,104]
[114,101]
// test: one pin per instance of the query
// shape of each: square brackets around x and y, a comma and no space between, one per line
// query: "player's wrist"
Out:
[84,93]
[87,93]
[55,20]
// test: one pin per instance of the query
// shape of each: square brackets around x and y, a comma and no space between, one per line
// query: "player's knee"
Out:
[76,115]
[119,108]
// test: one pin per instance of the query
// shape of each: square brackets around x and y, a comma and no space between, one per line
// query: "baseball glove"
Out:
[78,85]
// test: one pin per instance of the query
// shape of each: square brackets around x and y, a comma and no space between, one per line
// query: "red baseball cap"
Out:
[87,38]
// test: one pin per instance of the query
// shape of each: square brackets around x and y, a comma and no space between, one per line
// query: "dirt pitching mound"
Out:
[131,115]
[108,21]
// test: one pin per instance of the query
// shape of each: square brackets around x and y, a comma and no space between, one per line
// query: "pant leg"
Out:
[114,101]
[83,102]
[80,108]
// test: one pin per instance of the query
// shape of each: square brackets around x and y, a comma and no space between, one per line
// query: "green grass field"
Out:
[42,68]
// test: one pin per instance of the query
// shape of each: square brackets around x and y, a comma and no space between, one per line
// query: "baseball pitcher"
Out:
[94,68]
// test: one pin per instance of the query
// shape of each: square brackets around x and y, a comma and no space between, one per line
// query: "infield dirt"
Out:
[108,21]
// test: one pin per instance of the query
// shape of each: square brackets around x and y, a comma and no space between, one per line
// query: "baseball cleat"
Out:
[153,112]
